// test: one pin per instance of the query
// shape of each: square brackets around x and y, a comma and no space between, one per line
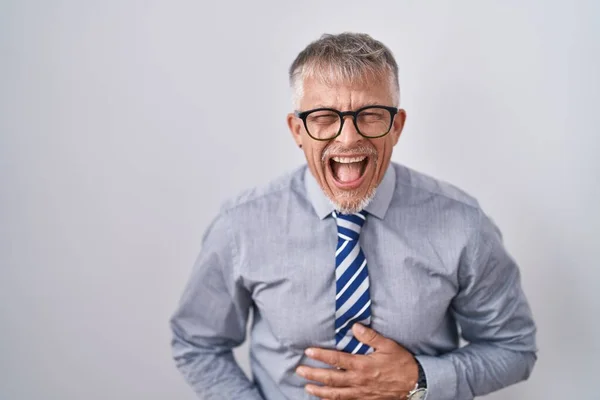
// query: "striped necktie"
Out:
[352,300]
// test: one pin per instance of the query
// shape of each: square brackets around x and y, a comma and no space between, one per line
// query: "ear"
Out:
[398,125]
[296,127]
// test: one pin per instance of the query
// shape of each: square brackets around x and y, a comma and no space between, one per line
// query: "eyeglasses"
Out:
[327,123]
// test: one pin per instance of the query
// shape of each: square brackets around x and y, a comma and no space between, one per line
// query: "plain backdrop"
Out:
[125,124]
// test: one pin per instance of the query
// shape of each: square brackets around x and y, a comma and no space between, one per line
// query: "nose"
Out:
[349,135]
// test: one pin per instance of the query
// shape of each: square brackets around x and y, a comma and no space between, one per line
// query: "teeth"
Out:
[348,160]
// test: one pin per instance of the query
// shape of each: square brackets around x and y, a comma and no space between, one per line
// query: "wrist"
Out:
[442,377]
[419,392]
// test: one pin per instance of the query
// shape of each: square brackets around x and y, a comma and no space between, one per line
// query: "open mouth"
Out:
[348,171]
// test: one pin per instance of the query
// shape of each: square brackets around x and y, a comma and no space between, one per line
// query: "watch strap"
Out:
[422,379]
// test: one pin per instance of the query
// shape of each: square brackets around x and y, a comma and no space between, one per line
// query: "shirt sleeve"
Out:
[495,319]
[211,319]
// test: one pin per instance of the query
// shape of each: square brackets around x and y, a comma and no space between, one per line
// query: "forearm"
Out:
[474,370]
[212,372]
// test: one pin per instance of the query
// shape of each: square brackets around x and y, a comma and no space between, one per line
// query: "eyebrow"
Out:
[367,104]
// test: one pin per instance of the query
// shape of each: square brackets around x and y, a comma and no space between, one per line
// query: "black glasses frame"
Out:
[343,114]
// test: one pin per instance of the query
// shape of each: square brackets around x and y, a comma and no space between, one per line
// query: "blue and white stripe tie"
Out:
[352,300]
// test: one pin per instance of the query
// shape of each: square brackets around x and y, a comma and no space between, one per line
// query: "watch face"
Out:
[418,394]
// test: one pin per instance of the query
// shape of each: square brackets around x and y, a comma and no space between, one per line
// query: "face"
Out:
[350,167]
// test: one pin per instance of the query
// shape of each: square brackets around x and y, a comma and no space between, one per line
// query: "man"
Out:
[359,271]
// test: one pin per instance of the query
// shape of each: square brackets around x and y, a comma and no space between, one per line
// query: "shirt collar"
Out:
[377,207]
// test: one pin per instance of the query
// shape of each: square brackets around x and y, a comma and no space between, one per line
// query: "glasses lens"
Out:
[323,124]
[374,121]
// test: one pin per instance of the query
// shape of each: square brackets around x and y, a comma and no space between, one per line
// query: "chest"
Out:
[293,285]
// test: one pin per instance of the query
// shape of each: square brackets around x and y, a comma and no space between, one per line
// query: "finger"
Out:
[334,358]
[326,392]
[369,336]
[328,377]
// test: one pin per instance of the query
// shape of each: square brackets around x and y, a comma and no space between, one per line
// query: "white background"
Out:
[124,124]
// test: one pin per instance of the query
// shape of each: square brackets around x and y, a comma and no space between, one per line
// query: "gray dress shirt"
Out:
[437,268]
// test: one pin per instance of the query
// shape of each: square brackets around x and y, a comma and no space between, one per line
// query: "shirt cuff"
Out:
[441,377]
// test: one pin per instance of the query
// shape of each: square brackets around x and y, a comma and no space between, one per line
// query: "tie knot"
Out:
[349,225]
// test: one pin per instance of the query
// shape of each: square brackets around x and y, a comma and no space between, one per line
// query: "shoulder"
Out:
[423,185]
[270,194]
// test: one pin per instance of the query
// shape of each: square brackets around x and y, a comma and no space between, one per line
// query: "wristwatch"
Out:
[420,390]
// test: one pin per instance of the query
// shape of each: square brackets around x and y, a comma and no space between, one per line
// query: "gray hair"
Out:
[346,57]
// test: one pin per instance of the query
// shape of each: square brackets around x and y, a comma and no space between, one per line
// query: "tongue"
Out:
[346,172]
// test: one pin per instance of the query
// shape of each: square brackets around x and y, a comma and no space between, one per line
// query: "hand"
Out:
[390,372]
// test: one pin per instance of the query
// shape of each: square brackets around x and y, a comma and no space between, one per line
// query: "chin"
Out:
[350,203]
